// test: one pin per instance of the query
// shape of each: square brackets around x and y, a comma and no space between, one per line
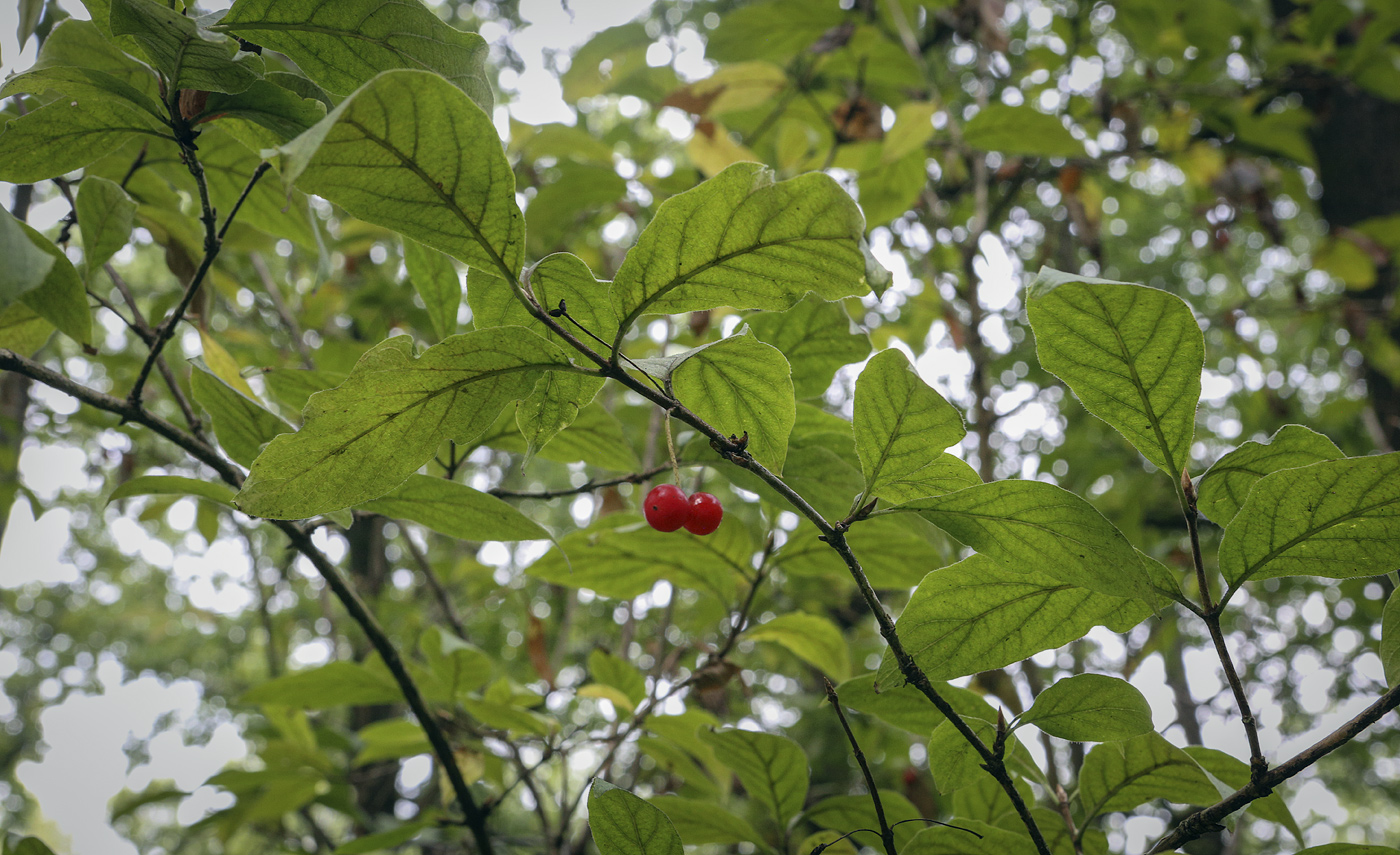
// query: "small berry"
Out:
[705,514]
[665,507]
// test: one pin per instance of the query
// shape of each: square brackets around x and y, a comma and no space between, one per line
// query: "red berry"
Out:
[705,514]
[665,507]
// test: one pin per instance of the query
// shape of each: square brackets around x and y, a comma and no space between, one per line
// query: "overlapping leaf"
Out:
[700,822]
[67,135]
[61,298]
[411,152]
[742,240]
[1091,708]
[455,510]
[893,553]
[978,615]
[438,284]
[1119,776]
[772,768]
[26,263]
[367,435]
[344,44]
[812,638]
[1020,130]
[189,56]
[1032,526]
[1133,355]
[1235,773]
[332,685]
[740,385]
[105,215]
[1338,519]
[623,824]
[1226,485]
[172,485]
[241,424]
[816,338]
[901,427]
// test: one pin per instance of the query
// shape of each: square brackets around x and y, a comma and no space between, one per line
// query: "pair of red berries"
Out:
[667,509]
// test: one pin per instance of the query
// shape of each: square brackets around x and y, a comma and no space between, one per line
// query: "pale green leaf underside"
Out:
[1390,639]
[1226,485]
[342,45]
[411,152]
[701,822]
[811,638]
[366,436]
[893,553]
[67,135]
[624,562]
[816,338]
[1120,776]
[1133,355]
[1091,708]
[1235,773]
[901,426]
[61,298]
[105,216]
[1031,526]
[333,685]
[772,768]
[739,239]
[978,615]
[172,485]
[1339,519]
[455,510]
[189,58]
[623,824]
[241,424]
[741,385]
[26,264]
[900,704]
[437,282]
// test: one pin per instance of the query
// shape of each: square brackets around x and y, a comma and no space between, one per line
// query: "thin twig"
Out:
[139,325]
[444,599]
[474,817]
[587,487]
[886,832]
[1211,615]
[274,295]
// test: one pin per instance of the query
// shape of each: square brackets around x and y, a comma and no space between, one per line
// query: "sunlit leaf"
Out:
[68,135]
[455,510]
[1090,708]
[812,638]
[901,427]
[742,386]
[623,824]
[1234,773]
[241,424]
[437,282]
[172,485]
[772,768]
[1226,485]
[189,56]
[816,338]
[105,215]
[1119,776]
[1133,355]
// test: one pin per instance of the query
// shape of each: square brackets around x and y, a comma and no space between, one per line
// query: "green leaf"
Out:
[739,239]
[1133,355]
[105,215]
[386,839]
[700,822]
[978,615]
[68,135]
[29,14]
[366,436]
[1339,520]
[28,846]
[172,485]
[816,338]
[23,331]
[344,44]
[618,673]
[189,56]
[228,164]
[741,385]
[1390,639]
[1091,708]
[1226,485]
[437,282]
[336,684]
[82,84]
[455,510]
[83,45]
[1235,773]
[985,800]
[268,105]
[1119,776]
[410,152]
[893,553]
[623,824]
[844,813]
[952,759]
[772,768]
[902,705]
[552,407]
[459,666]
[391,740]
[241,424]
[1020,130]
[624,562]
[811,638]
[901,425]
[292,387]
[1026,524]
[595,437]
[1348,849]
[27,262]
[991,840]
[557,208]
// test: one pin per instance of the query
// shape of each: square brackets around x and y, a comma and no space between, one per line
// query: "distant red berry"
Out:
[705,514]
[665,507]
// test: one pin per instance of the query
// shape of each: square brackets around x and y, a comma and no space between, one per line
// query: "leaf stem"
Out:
[886,832]
[1211,615]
